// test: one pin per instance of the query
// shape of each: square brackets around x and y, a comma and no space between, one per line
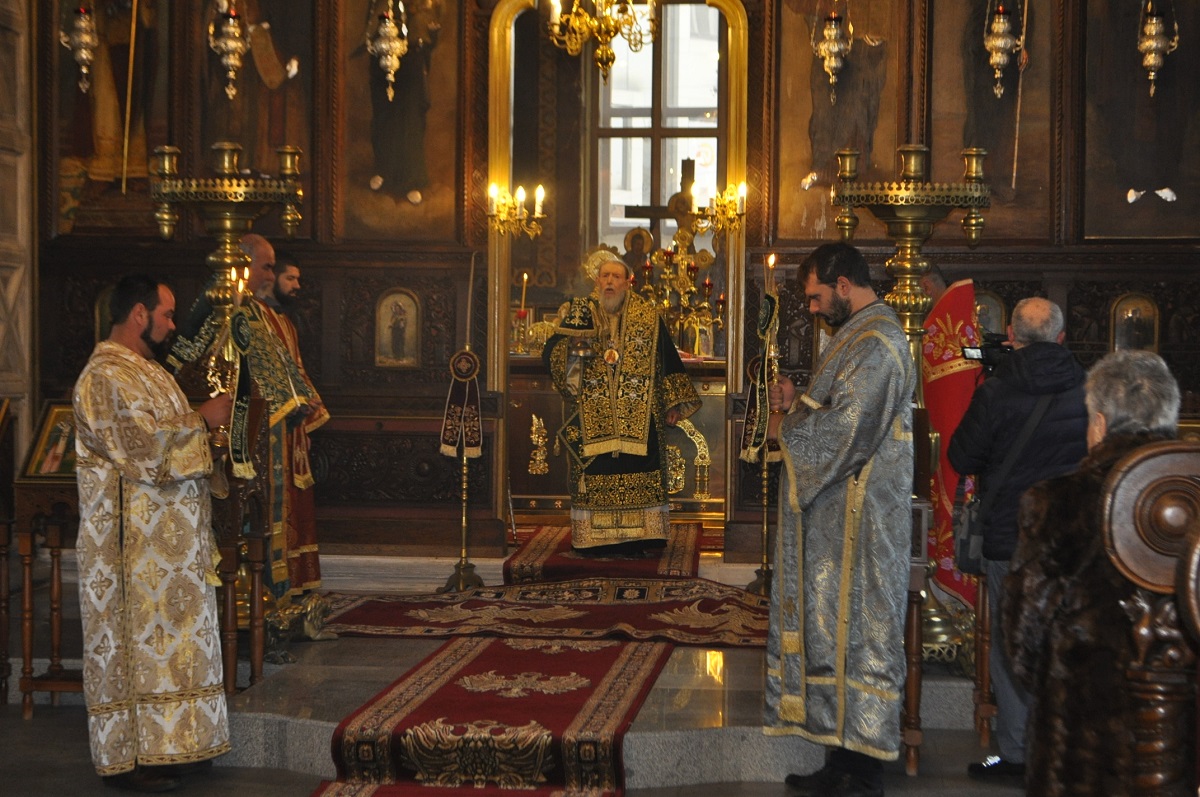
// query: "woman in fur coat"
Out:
[1067,634]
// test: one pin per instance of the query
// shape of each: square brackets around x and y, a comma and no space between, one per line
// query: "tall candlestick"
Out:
[524,285]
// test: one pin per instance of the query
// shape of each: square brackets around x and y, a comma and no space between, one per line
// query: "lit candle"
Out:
[695,202]
[232,274]
[246,273]
[524,285]
[538,197]
[555,14]
[520,199]
[493,195]
[241,289]
[741,200]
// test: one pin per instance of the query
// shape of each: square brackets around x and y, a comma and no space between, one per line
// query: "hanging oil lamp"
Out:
[1153,43]
[833,48]
[389,44]
[82,41]
[1000,44]
[227,38]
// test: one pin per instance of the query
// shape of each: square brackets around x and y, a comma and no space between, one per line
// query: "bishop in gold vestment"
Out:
[152,674]
[623,383]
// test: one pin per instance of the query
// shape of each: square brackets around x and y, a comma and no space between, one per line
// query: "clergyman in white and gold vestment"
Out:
[152,674]
[622,384]
[835,650]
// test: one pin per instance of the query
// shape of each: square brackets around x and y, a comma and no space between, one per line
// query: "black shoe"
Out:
[997,770]
[143,780]
[815,784]
[829,782]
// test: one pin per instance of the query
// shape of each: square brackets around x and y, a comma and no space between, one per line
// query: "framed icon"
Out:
[1133,323]
[991,315]
[52,456]
[398,329]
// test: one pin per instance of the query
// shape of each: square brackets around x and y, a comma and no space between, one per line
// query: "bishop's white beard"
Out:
[612,304]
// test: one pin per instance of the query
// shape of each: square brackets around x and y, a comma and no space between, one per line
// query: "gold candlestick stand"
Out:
[909,208]
[229,204]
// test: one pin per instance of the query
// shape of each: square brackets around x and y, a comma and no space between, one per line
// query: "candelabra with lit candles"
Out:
[670,280]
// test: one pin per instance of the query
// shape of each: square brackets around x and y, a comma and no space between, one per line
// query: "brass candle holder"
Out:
[909,208]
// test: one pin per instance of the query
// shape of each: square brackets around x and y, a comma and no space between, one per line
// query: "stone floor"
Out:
[698,732]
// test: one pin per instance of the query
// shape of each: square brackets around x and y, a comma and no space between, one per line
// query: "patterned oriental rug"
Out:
[485,716]
[547,556]
[685,611]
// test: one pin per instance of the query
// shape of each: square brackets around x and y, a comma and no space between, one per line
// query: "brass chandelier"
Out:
[612,18]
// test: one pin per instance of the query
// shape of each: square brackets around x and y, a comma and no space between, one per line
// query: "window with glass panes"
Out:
[660,106]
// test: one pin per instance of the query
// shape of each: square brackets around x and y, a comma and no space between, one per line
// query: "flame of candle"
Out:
[771,260]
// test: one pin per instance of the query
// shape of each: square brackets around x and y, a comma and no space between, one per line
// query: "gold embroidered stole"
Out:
[617,402]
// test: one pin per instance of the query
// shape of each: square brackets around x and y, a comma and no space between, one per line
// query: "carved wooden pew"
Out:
[1151,526]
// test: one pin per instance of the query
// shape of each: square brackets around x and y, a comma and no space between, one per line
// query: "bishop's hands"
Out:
[673,417]
[780,396]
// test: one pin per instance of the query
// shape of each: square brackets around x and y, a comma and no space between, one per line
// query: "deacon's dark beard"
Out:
[285,300]
[839,311]
[159,349]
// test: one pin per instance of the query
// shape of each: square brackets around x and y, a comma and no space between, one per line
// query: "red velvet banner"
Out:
[949,383]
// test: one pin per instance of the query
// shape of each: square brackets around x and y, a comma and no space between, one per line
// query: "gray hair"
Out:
[1135,392]
[1036,320]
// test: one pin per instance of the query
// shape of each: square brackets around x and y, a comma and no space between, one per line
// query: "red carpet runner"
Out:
[524,714]
[547,556]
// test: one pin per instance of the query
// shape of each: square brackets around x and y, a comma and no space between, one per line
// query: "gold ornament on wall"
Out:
[537,457]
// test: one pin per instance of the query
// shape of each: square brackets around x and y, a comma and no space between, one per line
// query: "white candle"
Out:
[538,197]
[555,14]
[493,194]
[520,199]
[741,199]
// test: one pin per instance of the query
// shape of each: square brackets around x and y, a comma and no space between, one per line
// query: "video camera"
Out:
[993,351]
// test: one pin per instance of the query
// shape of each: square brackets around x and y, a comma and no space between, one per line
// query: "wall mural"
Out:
[397,175]
[1143,163]
[812,127]
[1013,127]
[92,152]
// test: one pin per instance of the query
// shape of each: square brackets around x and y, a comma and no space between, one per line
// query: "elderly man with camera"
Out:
[1040,377]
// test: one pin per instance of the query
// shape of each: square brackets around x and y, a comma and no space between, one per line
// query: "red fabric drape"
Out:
[949,381]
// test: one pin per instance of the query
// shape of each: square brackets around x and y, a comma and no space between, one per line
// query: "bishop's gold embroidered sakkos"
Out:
[618,375]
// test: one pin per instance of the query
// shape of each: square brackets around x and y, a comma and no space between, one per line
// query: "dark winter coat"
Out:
[1067,636]
[994,419]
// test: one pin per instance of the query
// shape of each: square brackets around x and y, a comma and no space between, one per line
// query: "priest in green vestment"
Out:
[835,650]
[622,382]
